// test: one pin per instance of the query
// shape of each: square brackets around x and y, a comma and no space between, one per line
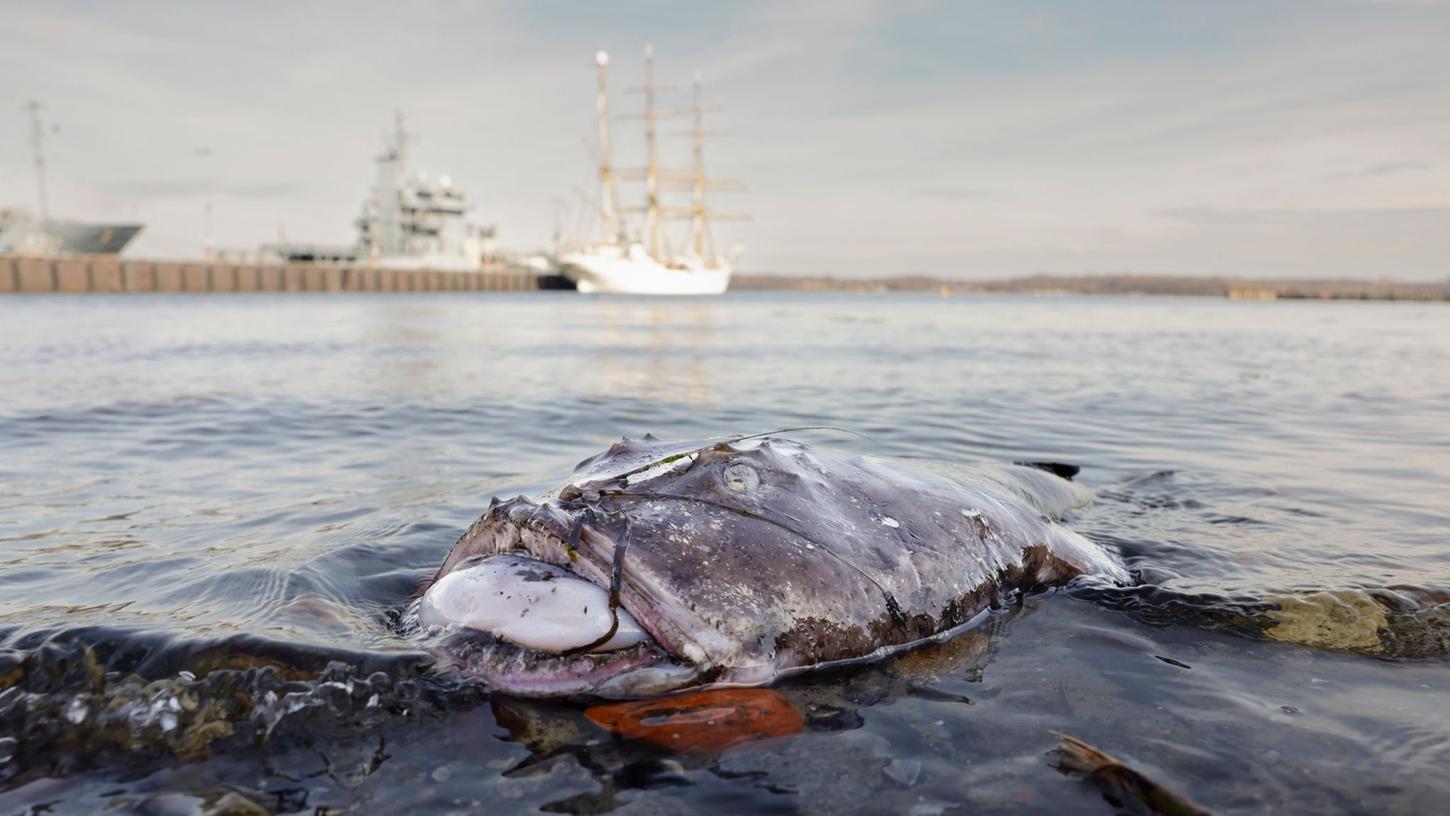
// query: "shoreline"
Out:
[108,274]
[1130,285]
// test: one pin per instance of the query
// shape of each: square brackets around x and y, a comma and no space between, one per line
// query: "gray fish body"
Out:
[747,561]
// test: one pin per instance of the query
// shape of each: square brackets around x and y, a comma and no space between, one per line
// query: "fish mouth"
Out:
[643,670]
[504,653]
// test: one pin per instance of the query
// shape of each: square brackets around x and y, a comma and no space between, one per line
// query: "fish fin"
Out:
[1055,468]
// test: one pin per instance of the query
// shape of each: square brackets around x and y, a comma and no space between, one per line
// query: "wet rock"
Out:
[210,803]
[839,772]
[350,764]
[559,779]
[1350,620]
[652,773]
[904,771]
[544,728]
[59,714]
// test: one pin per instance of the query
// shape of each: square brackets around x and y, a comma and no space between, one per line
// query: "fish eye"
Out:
[740,477]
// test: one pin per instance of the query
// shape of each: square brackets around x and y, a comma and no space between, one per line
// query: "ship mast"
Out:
[387,231]
[651,170]
[698,229]
[701,241]
[654,236]
[37,143]
[606,172]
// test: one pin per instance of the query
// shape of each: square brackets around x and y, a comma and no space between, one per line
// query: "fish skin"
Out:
[748,561]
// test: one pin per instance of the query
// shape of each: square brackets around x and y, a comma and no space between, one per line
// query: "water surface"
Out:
[205,500]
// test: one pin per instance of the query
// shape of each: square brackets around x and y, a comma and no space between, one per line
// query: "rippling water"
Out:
[206,500]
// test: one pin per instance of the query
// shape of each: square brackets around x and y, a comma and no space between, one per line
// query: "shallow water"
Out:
[247,488]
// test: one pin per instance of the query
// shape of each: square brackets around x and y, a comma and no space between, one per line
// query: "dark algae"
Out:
[216,512]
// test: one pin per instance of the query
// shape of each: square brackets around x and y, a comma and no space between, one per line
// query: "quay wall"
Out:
[103,274]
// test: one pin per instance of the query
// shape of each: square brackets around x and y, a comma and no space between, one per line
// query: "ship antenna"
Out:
[400,139]
[37,143]
[208,244]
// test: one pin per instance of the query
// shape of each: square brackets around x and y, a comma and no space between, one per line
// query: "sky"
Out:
[1254,138]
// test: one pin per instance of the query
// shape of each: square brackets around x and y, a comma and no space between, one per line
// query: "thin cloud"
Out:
[1220,217]
[960,193]
[982,138]
[199,188]
[1388,168]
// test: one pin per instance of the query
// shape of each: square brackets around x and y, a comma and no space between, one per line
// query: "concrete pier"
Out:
[103,274]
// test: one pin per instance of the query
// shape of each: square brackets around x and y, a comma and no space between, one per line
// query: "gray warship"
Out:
[22,233]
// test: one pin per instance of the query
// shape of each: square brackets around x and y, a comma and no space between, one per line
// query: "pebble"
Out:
[904,771]
[76,712]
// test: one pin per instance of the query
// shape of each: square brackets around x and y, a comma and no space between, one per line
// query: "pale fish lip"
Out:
[487,644]
[536,533]
[527,602]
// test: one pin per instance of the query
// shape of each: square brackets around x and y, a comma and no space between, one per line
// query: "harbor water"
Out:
[214,508]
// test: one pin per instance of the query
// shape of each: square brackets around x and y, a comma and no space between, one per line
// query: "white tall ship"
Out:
[644,263]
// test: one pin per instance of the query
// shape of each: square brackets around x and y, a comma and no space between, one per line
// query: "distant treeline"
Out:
[1238,288]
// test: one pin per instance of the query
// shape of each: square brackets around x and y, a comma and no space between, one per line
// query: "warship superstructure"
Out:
[417,221]
[409,221]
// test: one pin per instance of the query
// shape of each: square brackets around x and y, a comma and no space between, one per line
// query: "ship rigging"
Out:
[646,262]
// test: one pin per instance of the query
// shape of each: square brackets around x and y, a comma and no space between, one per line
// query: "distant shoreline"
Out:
[80,274]
[1231,288]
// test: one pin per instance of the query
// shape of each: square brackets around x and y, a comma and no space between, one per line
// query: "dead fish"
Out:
[662,566]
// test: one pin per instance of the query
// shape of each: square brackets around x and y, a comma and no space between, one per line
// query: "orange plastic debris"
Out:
[702,721]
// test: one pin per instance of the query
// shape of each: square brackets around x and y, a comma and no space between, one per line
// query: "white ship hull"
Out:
[610,271]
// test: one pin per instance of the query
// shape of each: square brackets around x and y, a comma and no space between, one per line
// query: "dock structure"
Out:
[102,274]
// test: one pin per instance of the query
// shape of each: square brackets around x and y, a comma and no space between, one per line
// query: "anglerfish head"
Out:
[662,566]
